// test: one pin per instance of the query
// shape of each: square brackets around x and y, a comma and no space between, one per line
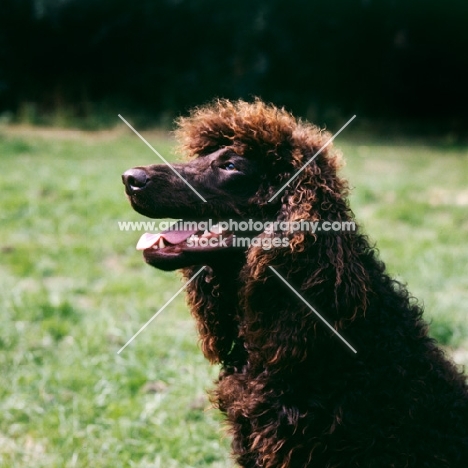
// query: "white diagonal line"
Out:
[160,310]
[312,158]
[158,154]
[312,309]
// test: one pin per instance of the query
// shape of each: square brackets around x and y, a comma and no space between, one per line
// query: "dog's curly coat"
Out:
[294,395]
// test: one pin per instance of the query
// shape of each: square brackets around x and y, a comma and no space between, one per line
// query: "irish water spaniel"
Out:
[293,393]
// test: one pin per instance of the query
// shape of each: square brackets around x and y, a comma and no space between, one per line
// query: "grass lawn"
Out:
[73,290]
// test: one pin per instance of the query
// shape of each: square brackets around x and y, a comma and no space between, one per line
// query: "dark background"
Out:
[401,63]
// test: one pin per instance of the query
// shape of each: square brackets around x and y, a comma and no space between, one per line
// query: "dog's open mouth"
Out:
[178,239]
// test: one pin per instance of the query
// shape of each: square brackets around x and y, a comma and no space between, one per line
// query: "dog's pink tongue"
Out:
[172,236]
[147,240]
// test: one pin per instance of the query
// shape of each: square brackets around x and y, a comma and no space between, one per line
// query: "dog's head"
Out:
[250,163]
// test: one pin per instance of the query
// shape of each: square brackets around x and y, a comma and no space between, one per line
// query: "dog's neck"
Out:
[233,304]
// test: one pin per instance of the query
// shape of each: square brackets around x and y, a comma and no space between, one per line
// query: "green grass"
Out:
[413,202]
[73,290]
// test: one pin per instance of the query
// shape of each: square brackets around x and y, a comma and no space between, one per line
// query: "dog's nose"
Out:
[134,179]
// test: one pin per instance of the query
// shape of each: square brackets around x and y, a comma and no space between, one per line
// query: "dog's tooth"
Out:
[216,229]
[206,233]
[161,243]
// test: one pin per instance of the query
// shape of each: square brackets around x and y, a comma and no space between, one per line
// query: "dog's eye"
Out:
[229,167]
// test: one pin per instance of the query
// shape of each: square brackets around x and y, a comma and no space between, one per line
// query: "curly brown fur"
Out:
[293,394]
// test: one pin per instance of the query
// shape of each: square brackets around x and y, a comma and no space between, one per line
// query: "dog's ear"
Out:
[328,272]
[325,267]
